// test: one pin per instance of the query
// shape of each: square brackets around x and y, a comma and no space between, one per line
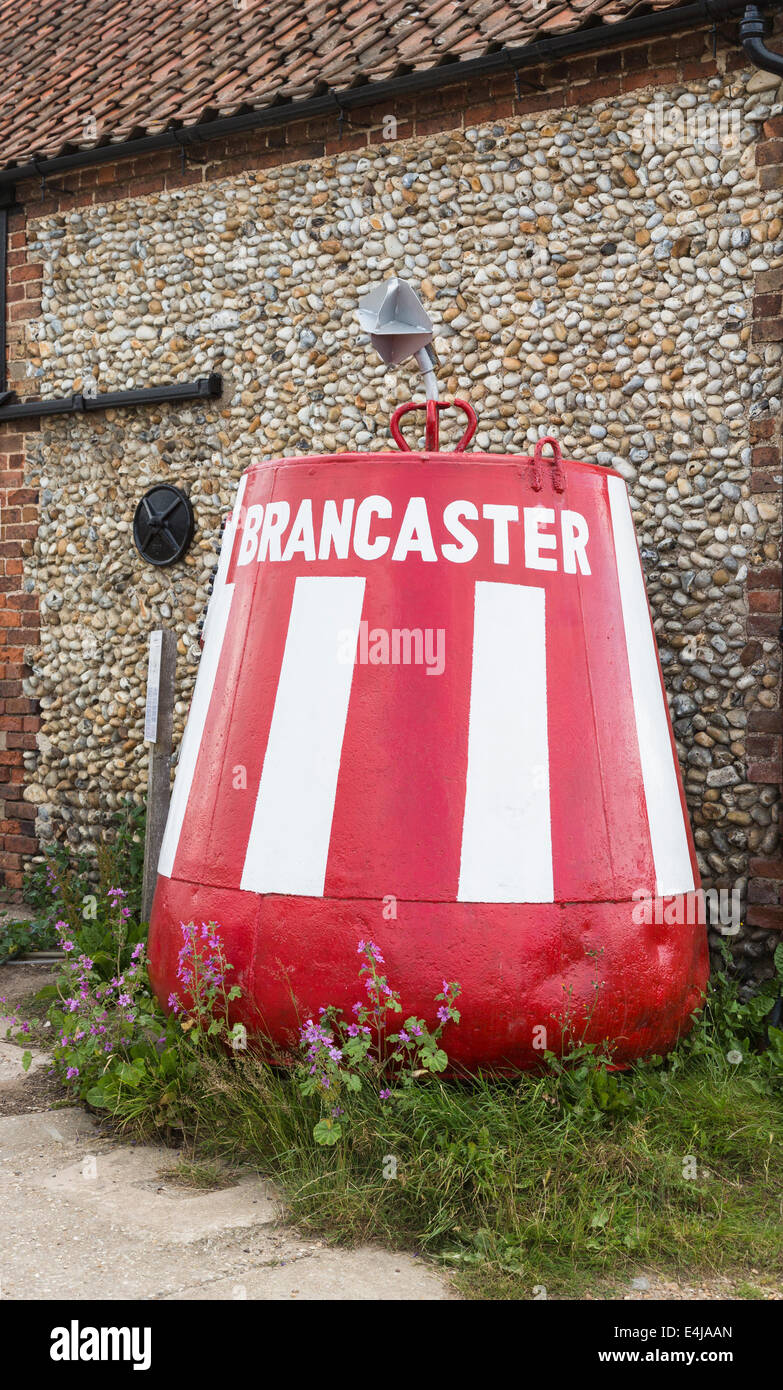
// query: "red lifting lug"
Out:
[558,476]
[432,434]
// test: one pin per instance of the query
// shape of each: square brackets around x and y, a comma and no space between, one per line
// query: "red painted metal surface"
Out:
[492,814]
[432,409]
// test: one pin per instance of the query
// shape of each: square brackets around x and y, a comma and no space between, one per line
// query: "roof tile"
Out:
[140,67]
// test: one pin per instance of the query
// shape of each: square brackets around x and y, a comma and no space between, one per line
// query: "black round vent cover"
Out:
[163,524]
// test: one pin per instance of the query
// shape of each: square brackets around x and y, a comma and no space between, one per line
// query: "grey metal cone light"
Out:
[399,327]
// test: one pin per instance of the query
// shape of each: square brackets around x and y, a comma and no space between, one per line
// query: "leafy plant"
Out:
[202,1007]
[41,885]
[19,938]
[83,893]
[588,1084]
[114,1046]
[105,1028]
[341,1057]
[736,1029]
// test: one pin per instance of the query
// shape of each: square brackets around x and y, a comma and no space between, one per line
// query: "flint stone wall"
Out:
[591,274]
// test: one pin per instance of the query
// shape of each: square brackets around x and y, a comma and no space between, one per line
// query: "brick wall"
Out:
[765,617]
[18,634]
[19,618]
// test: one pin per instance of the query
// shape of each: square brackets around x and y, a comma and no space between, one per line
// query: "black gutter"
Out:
[204,387]
[752,39]
[662,23]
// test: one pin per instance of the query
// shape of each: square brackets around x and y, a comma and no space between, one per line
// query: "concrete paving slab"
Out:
[363,1275]
[46,1133]
[49,1249]
[11,1054]
[83,1216]
[124,1189]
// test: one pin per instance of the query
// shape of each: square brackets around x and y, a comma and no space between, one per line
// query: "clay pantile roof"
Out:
[79,73]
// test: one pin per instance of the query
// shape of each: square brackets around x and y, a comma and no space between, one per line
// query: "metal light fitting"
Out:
[400,327]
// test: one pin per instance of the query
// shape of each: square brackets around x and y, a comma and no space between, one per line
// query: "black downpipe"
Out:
[752,39]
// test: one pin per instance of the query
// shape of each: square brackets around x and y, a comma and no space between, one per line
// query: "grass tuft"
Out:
[507,1183]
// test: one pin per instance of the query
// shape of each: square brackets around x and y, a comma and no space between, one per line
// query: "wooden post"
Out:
[158,726]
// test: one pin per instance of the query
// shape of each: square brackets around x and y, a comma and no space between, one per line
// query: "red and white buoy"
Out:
[429,710]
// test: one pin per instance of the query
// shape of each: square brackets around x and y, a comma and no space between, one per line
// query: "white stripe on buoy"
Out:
[673,868]
[214,631]
[506,831]
[292,822]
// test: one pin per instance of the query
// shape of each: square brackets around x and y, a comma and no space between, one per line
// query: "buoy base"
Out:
[534,977]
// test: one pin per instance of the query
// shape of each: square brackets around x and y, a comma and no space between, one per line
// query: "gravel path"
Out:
[749,1284]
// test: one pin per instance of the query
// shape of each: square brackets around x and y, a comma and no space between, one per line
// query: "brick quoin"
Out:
[19,610]
[765,726]
[19,623]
